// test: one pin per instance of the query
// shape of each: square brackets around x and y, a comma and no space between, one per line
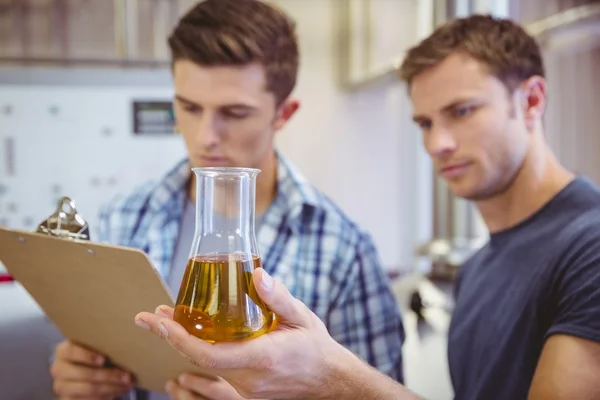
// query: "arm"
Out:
[569,366]
[350,378]
[297,360]
[365,317]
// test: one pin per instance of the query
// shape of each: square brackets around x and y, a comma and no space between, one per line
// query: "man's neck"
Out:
[540,179]
[266,184]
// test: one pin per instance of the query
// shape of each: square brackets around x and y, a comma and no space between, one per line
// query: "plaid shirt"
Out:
[324,258]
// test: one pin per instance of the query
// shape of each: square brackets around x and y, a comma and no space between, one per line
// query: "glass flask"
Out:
[217,300]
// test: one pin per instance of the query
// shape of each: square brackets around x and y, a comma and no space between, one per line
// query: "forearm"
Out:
[349,377]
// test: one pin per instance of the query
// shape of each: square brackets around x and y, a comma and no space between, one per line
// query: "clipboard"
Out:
[92,292]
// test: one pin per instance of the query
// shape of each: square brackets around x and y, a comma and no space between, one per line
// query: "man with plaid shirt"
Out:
[230,100]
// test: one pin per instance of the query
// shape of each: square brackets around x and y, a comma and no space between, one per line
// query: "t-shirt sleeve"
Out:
[578,283]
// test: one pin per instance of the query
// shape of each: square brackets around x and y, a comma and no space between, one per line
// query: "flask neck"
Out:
[225,201]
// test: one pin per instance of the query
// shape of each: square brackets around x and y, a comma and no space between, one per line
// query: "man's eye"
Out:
[425,125]
[235,115]
[190,108]
[463,111]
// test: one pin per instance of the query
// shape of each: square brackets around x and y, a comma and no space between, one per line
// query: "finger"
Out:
[164,311]
[209,388]
[289,310]
[170,387]
[177,392]
[173,390]
[193,382]
[70,351]
[196,351]
[74,389]
[64,370]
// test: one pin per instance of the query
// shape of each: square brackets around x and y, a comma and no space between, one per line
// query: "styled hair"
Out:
[238,33]
[510,53]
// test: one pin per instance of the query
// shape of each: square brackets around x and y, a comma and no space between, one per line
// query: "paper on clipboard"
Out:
[92,292]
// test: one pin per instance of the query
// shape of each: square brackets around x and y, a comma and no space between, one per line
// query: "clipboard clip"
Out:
[65,222]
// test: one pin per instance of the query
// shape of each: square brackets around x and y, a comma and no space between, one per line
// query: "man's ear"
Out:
[533,100]
[286,110]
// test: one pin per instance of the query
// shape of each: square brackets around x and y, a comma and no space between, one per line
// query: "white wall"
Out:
[359,148]
[84,150]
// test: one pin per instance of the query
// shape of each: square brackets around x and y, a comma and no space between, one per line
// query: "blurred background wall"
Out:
[66,113]
[70,71]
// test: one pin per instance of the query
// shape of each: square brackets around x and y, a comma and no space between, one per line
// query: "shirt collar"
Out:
[294,192]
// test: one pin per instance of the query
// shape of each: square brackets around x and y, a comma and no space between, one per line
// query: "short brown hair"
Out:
[503,46]
[240,32]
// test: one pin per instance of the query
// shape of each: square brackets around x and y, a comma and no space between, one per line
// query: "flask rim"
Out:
[213,171]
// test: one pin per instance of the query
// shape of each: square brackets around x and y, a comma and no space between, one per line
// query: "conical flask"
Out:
[217,301]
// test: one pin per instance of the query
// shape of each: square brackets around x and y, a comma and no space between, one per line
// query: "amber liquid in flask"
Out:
[217,300]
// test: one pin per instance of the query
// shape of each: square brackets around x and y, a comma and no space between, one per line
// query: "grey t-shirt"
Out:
[182,248]
[537,279]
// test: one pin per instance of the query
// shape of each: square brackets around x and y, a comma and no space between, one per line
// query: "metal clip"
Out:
[65,222]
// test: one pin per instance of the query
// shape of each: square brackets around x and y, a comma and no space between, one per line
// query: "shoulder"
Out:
[575,287]
[328,217]
[575,269]
[128,203]
[345,247]
[119,216]
[317,211]
[579,239]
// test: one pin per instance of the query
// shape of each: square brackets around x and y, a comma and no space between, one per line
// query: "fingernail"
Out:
[267,280]
[142,324]
[161,313]
[163,329]
[99,360]
[181,379]
[125,378]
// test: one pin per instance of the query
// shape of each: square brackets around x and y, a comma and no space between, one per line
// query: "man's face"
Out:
[473,129]
[225,114]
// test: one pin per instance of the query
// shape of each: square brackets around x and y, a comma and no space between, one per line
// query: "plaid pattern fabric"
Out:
[324,258]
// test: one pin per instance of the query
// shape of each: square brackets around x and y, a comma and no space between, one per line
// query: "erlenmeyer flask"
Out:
[217,300]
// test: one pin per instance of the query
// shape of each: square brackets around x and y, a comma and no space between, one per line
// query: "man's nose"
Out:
[207,133]
[440,142]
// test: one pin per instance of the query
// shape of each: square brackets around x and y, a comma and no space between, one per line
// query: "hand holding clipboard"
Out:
[92,292]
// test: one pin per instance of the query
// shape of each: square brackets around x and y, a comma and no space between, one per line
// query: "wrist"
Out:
[348,377]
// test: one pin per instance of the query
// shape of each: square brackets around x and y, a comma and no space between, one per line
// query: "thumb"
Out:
[289,311]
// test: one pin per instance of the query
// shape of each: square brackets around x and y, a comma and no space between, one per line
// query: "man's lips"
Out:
[213,158]
[454,170]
